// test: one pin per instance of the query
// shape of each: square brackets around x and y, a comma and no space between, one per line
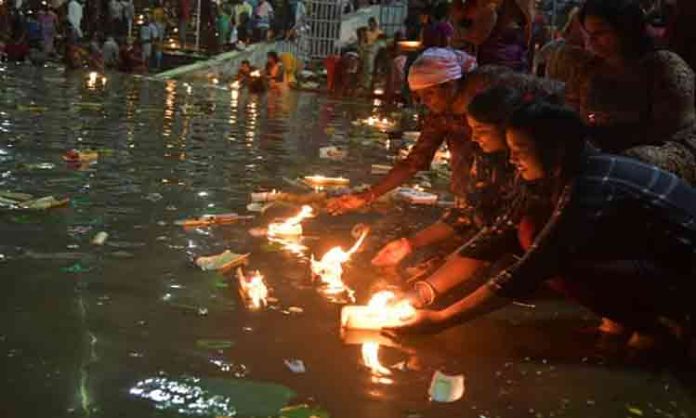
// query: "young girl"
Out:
[621,238]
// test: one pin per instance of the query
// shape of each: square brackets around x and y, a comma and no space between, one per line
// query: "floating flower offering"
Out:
[381,311]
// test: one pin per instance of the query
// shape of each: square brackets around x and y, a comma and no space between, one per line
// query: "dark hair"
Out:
[272,54]
[557,131]
[495,105]
[246,62]
[627,19]
[440,10]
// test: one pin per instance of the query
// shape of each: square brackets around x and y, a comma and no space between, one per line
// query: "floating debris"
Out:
[223,261]
[296,366]
[333,153]
[100,238]
[212,219]
[446,388]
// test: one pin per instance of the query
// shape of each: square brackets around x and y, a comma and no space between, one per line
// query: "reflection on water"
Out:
[91,330]
[184,396]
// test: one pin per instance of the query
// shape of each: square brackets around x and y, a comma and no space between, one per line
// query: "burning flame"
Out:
[291,227]
[379,304]
[92,79]
[253,289]
[330,268]
[383,123]
[235,84]
[370,356]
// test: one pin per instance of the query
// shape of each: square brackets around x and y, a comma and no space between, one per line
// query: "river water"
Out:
[133,329]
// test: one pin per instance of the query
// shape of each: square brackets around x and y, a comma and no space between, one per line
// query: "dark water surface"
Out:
[83,328]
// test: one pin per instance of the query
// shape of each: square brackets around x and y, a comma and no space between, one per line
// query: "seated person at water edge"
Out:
[274,72]
[244,72]
[620,238]
[490,182]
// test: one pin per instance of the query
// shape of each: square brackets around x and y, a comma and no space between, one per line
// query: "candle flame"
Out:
[253,289]
[255,73]
[235,84]
[330,268]
[291,226]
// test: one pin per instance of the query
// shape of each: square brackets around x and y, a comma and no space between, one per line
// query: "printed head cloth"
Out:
[439,65]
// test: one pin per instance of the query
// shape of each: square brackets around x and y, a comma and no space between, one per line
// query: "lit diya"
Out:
[329,270]
[381,311]
[253,289]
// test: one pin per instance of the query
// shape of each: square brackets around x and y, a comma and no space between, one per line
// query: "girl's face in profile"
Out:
[524,155]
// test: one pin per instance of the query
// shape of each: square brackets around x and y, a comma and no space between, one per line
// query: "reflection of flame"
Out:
[291,227]
[330,268]
[290,244]
[379,304]
[378,123]
[370,356]
[253,289]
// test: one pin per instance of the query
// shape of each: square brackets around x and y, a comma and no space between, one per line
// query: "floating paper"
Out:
[217,219]
[295,366]
[416,197]
[332,153]
[380,168]
[319,181]
[445,388]
[100,238]
[223,261]
[265,196]
[43,203]
[411,135]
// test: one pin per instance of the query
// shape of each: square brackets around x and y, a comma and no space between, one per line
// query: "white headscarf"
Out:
[439,65]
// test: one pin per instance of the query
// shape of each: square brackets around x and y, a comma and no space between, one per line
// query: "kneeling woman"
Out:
[621,235]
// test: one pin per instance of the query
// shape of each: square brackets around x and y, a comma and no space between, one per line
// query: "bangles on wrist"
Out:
[426,291]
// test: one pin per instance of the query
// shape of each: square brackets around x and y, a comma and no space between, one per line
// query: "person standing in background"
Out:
[159,18]
[128,16]
[75,19]
[110,52]
[48,21]
[184,15]
[116,16]
[264,16]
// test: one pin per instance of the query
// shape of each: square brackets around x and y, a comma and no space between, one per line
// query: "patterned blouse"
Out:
[617,208]
[647,112]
